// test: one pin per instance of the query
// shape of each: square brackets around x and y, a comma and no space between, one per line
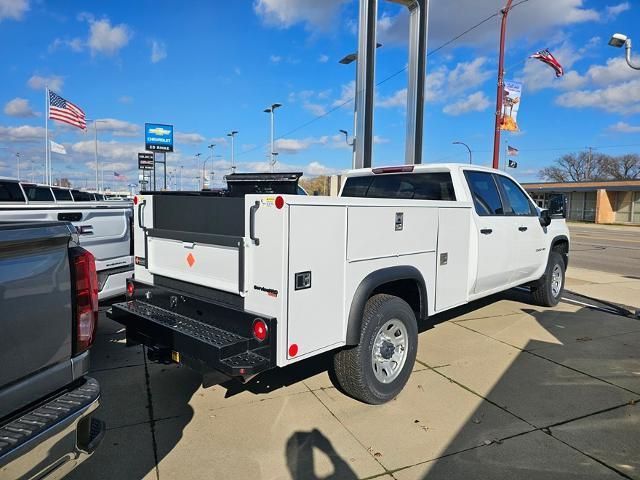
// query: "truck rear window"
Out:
[62,194]
[10,192]
[79,196]
[417,186]
[37,194]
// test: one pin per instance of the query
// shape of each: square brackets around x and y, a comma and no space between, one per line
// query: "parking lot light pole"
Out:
[500,88]
[232,134]
[618,40]
[271,111]
[462,143]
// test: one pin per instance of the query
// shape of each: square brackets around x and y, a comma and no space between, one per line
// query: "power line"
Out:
[384,80]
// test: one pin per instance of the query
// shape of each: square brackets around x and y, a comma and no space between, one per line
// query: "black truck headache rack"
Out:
[220,338]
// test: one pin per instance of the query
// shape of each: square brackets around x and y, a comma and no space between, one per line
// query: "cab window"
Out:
[416,186]
[518,201]
[10,192]
[36,193]
[484,190]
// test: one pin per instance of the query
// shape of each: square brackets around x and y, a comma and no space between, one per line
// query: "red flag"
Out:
[545,56]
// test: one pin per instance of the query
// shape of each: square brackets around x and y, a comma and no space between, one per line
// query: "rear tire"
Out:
[378,368]
[548,291]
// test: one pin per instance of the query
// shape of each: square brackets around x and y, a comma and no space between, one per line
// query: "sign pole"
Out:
[154,171]
[165,170]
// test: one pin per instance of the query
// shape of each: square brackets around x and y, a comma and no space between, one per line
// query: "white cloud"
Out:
[13,9]
[616,70]
[314,169]
[54,82]
[476,102]
[315,108]
[323,58]
[75,44]
[19,107]
[24,133]
[612,11]
[106,38]
[397,100]
[293,146]
[285,13]
[275,58]
[118,128]
[191,138]
[531,20]
[126,99]
[158,51]
[110,151]
[347,94]
[623,127]
[620,98]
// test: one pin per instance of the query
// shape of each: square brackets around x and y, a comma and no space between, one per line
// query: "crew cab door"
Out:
[494,232]
[528,247]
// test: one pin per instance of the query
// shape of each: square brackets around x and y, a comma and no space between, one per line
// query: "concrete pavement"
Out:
[501,389]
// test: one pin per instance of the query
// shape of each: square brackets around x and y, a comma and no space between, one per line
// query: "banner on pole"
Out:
[510,106]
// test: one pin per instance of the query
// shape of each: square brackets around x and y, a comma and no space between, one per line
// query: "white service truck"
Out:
[240,285]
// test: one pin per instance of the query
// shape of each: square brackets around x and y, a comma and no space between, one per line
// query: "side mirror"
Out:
[557,205]
[545,218]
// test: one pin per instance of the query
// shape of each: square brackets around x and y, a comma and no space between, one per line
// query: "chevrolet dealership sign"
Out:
[158,138]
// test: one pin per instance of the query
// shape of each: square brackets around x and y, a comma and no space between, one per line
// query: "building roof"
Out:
[610,185]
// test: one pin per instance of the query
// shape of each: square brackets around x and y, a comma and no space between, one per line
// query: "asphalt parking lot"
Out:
[501,389]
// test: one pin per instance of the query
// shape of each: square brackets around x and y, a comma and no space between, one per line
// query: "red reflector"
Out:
[404,168]
[259,329]
[293,349]
[279,202]
[86,286]
[130,288]
[135,200]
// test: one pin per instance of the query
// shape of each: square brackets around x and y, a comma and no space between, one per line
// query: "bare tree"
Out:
[577,167]
[624,167]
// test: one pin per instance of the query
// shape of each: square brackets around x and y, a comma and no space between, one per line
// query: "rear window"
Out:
[417,186]
[35,193]
[10,192]
[79,196]
[62,195]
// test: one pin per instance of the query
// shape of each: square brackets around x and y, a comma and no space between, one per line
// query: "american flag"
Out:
[545,56]
[65,111]
[512,151]
[118,176]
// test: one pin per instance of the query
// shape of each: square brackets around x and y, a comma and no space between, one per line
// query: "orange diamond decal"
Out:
[191,259]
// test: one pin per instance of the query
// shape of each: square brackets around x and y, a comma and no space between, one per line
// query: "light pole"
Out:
[500,88]
[462,143]
[197,156]
[95,129]
[346,137]
[211,148]
[232,134]
[618,40]
[272,111]
[181,168]
[18,160]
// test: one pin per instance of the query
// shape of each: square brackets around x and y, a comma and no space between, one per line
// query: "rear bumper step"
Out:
[199,341]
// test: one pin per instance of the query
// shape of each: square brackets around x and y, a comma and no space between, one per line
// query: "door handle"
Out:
[486,231]
[252,223]
[522,229]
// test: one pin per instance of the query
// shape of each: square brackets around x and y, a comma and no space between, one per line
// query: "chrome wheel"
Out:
[556,280]
[389,351]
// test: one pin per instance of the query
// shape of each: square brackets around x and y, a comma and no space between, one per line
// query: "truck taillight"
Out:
[131,289]
[260,330]
[86,299]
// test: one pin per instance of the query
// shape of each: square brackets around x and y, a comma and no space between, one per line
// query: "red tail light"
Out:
[399,169]
[86,299]
[131,289]
[260,330]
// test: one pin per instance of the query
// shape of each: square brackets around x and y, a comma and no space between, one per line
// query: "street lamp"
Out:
[232,134]
[462,143]
[271,111]
[95,128]
[352,57]
[346,137]
[210,147]
[618,40]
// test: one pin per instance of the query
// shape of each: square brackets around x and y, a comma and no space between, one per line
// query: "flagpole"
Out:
[46,135]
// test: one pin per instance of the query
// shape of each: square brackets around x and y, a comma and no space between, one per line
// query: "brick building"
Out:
[598,202]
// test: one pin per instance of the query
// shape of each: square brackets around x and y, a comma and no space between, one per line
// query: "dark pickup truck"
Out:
[48,315]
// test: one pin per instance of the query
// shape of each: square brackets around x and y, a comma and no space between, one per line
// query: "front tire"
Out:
[548,291]
[378,368]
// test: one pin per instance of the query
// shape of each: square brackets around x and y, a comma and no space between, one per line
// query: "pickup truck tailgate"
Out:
[35,291]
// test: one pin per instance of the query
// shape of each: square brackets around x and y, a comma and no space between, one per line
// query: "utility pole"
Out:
[500,88]
[18,160]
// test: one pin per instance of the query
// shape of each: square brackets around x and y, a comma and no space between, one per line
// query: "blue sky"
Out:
[211,67]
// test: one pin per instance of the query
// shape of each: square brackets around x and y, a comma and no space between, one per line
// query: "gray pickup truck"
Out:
[48,319]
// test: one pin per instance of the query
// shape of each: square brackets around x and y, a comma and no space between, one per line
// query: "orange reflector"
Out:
[191,259]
